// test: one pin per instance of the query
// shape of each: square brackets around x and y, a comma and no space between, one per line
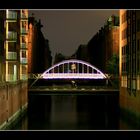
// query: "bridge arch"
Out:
[78,67]
[75,68]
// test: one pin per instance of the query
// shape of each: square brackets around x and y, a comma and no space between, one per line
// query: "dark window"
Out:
[134,47]
[138,25]
[138,64]
[138,45]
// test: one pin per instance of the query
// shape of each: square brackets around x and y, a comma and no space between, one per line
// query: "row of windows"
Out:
[13,72]
[134,26]
[135,62]
[130,84]
[12,15]
[130,53]
[135,47]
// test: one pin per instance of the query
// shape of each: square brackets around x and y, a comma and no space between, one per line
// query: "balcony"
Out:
[23,60]
[24,16]
[11,36]
[11,56]
[23,77]
[11,15]
[23,46]
[11,77]
[23,31]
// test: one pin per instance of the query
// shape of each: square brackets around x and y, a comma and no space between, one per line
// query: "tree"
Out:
[113,65]
[113,70]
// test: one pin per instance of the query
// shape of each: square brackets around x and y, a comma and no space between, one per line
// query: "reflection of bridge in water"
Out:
[70,70]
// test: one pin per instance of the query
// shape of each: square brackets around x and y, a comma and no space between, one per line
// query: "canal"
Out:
[72,112]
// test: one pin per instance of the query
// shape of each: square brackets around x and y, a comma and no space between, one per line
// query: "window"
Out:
[134,46]
[138,64]
[24,54]
[12,72]
[138,25]
[128,31]
[138,45]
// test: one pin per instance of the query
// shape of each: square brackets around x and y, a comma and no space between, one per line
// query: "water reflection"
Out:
[72,112]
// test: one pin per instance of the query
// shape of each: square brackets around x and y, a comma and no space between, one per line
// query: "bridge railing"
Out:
[72,76]
[34,75]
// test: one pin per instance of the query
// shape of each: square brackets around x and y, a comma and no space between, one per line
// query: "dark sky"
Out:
[67,29]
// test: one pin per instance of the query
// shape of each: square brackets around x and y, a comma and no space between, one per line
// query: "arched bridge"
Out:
[73,69]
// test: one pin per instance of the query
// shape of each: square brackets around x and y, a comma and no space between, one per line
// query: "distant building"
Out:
[130,63]
[39,53]
[81,53]
[104,44]
[58,58]
[13,63]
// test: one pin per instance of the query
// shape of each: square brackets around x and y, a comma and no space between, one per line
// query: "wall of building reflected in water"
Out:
[72,112]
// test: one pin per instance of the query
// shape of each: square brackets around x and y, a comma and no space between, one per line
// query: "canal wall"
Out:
[13,102]
[130,107]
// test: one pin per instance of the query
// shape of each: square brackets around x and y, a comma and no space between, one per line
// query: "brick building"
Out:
[13,63]
[129,67]
[39,52]
[104,44]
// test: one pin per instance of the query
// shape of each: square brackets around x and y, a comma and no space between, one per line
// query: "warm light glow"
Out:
[123,42]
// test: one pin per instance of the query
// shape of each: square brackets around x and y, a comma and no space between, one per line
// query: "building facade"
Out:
[13,63]
[129,67]
[39,52]
[104,44]
[82,53]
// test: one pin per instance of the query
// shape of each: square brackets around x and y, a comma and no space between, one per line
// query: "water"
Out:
[72,112]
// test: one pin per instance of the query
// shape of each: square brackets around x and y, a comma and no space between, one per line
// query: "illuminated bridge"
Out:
[71,69]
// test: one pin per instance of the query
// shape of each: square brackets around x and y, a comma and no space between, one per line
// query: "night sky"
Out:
[67,29]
